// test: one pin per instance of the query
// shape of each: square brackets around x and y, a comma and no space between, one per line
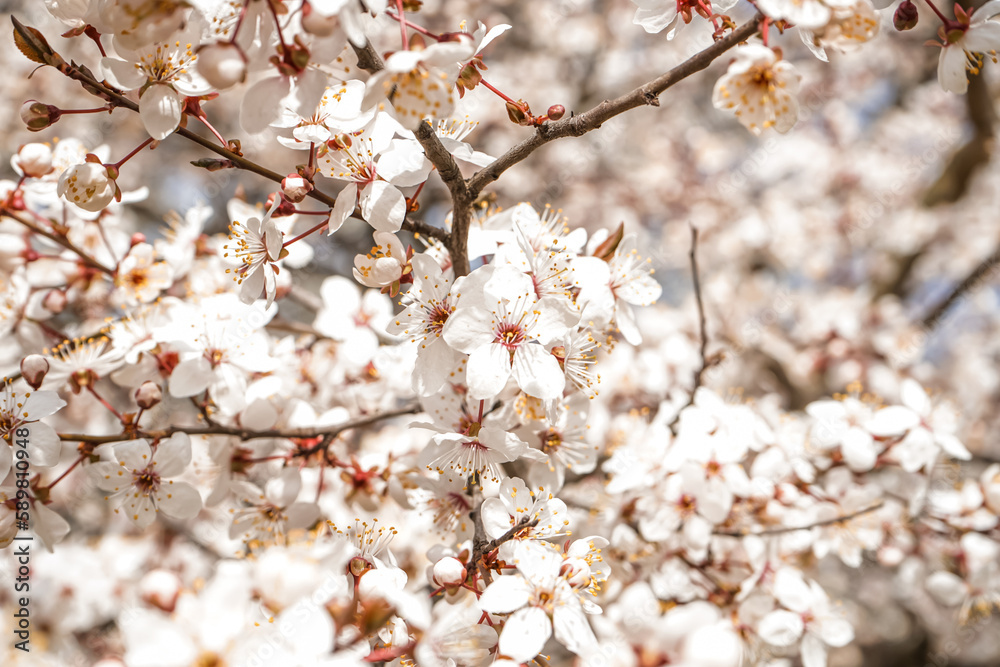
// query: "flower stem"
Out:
[135,151]
[945,21]
[100,398]
[502,96]
[306,233]
[402,24]
[67,471]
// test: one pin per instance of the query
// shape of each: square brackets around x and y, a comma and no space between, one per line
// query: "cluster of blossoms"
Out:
[485,474]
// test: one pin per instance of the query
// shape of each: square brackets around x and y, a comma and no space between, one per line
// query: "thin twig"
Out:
[248,434]
[974,279]
[580,124]
[792,529]
[61,240]
[702,329]
[238,160]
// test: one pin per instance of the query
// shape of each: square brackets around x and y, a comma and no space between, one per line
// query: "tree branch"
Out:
[120,100]
[61,240]
[702,329]
[246,434]
[791,529]
[978,275]
[579,125]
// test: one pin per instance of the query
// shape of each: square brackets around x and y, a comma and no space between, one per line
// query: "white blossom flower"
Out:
[25,409]
[164,73]
[928,429]
[428,307]
[760,89]
[417,83]
[141,278]
[541,602]
[807,616]
[88,186]
[967,43]
[506,331]
[272,513]
[139,479]
[257,244]
[383,264]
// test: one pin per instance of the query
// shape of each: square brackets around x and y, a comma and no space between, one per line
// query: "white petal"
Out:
[572,629]
[173,455]
[190,377]
[893,420]
[506,594]
[781,628]
[488,371]
[536,371]
[383,206]
[347,199]
[524,634]
[179,500]
[160,110]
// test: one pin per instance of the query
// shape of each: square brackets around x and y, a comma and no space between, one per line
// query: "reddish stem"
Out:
[306,233]
[204,119]
[100,398]
[118,165]
[402,24]
[422,30]
[239,21]
[67,471]
[502,96]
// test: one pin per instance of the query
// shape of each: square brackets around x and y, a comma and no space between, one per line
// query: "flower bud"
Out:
[33,369]
[295,188]
[449,572]
[160,588]
[38,116]
[223,65]
[88,186]
[148,395]
[556,111]
[906,16]
[55,301]
[34,160]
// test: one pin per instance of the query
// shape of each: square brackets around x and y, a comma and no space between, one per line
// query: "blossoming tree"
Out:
[486,442]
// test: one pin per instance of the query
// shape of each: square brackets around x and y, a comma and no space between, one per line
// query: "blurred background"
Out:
[826,254]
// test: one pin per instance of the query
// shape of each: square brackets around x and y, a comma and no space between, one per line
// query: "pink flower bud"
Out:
[55,301]
[295,188]
[223,65]
[906,16]
[38,116]
[160,588]
[34,160]
[33,369]
[556,111]
[449,572]
[148,395]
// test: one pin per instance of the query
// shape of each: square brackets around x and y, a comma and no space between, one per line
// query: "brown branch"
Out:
[461,198]
[120,100]
[702,329]
[61,240]
[791,529]
[975,278]
[580,124]
[247,434]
